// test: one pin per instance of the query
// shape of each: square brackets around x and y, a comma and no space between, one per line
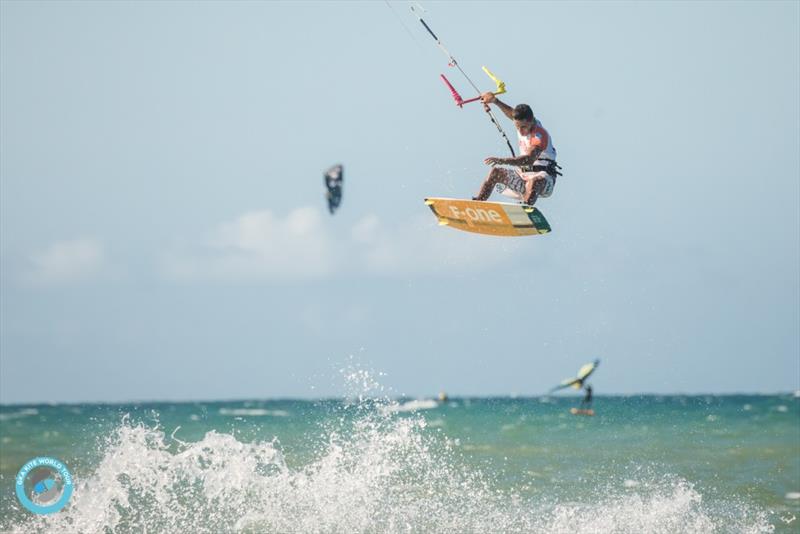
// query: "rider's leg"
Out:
[532,190]
[496,176]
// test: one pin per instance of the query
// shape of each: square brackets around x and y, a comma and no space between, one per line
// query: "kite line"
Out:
[501,86]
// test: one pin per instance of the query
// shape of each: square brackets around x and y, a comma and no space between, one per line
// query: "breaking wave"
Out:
[376,471]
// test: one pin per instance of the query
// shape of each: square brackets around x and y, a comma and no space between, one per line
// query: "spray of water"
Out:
[377,471]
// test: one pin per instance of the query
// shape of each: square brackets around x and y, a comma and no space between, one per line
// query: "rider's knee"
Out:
[495,174]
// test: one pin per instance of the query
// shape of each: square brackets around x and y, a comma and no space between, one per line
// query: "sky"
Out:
[164,233]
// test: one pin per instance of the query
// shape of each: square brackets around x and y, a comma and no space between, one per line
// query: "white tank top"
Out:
[538,137]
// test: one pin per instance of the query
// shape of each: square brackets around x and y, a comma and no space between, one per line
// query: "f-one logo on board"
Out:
[476,215]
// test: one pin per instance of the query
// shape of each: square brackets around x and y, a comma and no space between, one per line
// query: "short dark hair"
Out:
[523,112]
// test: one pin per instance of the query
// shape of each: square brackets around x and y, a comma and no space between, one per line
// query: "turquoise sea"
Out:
[642,464]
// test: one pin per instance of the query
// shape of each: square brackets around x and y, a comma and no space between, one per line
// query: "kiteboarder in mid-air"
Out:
[533,173]
[334,177]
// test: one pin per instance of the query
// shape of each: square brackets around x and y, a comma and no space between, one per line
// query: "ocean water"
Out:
[642,464]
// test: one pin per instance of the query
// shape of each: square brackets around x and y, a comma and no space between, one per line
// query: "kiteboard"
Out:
[576,411]
[489,218]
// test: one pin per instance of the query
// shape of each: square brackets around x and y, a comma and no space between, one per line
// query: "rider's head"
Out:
[523,118]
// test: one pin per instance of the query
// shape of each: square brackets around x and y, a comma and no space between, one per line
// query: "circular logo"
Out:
[44,485]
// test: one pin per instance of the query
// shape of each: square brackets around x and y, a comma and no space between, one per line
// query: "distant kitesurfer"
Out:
[586,403]
[533,173]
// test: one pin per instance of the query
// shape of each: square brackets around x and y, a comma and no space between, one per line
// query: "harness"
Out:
[552,168]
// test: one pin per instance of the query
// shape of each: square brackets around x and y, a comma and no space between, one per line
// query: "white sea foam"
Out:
[675,507]
[411,406]
[25,412]
[388,475]
[252,412]
[375,471]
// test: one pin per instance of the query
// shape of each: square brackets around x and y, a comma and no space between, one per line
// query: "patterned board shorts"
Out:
[514,180]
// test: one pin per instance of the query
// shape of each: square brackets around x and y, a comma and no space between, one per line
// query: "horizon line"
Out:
[793,394]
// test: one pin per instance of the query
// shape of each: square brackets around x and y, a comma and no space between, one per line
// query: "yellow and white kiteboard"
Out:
[489,218]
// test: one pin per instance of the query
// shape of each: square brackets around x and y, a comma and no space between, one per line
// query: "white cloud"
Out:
[262,246]
[67,261]
[258,245]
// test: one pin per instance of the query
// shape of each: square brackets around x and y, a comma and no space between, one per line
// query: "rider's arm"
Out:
[524,160]
[507,110]
[491,98]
